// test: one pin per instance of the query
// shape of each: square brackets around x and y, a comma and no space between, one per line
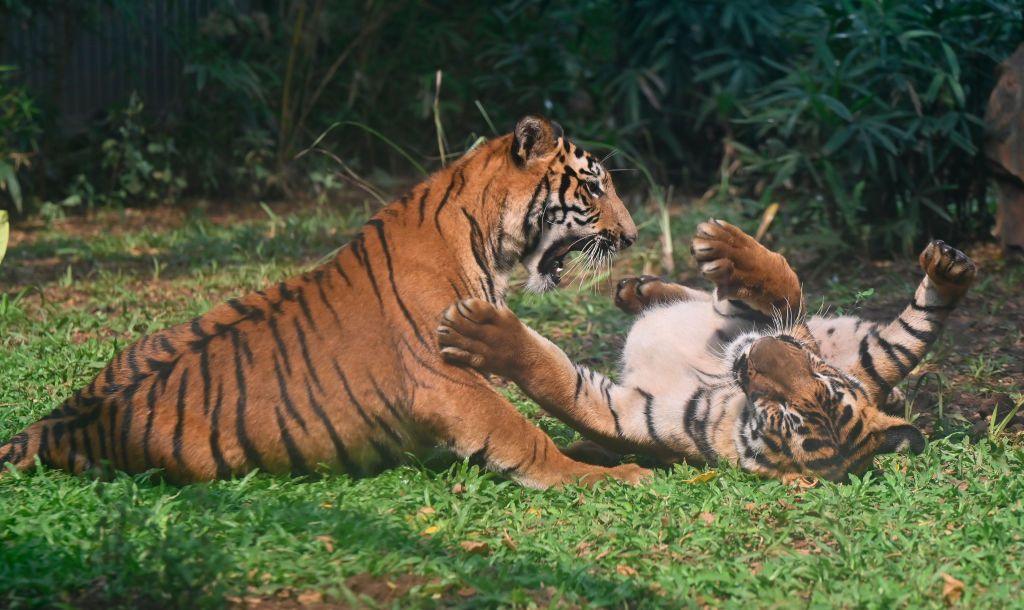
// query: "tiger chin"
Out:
[736,375]
[337,369]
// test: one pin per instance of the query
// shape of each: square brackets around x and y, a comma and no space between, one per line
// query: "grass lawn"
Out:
[916,532]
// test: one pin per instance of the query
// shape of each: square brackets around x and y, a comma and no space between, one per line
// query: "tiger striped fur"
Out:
[728,375]
[338,369]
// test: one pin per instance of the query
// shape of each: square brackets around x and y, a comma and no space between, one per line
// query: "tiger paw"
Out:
[630,474]
[743,269]
[950,270]
[635,294]
[477,334]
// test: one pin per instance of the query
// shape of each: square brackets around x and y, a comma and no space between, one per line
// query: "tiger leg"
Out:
[885,354]
[634,295]
[744,270]
[478,423]
[477,334]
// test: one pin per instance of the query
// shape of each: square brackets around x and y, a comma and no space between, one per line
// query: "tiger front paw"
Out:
[950,270]
[634,294]
[477,334]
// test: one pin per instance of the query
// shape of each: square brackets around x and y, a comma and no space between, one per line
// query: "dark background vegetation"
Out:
[861,118]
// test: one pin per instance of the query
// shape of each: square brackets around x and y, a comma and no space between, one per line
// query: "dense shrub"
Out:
[859,116]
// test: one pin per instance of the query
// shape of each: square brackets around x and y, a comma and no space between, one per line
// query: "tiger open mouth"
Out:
[552,262]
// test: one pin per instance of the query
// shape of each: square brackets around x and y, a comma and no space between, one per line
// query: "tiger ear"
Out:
[534,137]
[900,437]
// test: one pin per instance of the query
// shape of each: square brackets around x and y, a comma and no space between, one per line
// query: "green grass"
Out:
[727,539]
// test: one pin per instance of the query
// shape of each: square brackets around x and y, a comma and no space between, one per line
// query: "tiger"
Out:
[738,375]
[335,370]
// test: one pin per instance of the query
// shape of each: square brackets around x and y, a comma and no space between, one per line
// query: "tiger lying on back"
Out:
[337,368]
[710,377]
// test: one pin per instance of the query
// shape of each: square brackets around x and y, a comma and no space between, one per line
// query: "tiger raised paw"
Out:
[716,378]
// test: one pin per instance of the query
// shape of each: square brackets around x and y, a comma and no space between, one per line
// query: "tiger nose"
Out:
[626,240]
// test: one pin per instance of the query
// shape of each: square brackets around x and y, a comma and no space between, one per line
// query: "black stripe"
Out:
[423,203]
[304,350]
[891,353]
[339,446]
[364,261]
[925,336]
[868,364]
[930,308]
[476,243]
[252,456]
[150,413]
[379,225]
[457,175]
[318,277]
[179,425]
[126,425]
[341,271]
[223,471]
[282,387]
[304,306]
[298,463]
[388,404]
[204,372]
[351,396]
[649,417]
[282,349]
[579,384]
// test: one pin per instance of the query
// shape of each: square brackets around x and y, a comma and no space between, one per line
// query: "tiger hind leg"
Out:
[744,270]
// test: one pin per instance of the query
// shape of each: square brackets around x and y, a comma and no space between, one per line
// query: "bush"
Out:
[862,117]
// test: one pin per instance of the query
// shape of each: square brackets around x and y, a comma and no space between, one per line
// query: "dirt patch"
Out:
[372,591]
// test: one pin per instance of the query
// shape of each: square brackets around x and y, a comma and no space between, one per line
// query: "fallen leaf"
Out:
[508,542]
[625,570]
[328,542]
[458,488]
[430,531]
[475,547]
[703,477]
[310,597]
[952,590]
[425,512]
[707,518]
[467,592]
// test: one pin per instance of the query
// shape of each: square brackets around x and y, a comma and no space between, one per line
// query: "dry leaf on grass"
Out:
[310,597]
[328,542]
[625,570]
[430,531]
[475,547]
[707,518]
[952,589]
[703,477]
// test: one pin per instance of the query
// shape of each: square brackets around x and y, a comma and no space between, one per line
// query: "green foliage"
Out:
[861,117]
[18,132]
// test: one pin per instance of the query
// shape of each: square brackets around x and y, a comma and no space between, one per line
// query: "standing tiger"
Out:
[338,368]
[738,375]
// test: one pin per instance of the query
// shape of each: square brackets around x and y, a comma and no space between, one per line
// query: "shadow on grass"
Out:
[178,254]
[167,551]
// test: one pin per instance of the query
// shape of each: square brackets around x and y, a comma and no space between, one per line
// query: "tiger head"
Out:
[573,205]
[808,417]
